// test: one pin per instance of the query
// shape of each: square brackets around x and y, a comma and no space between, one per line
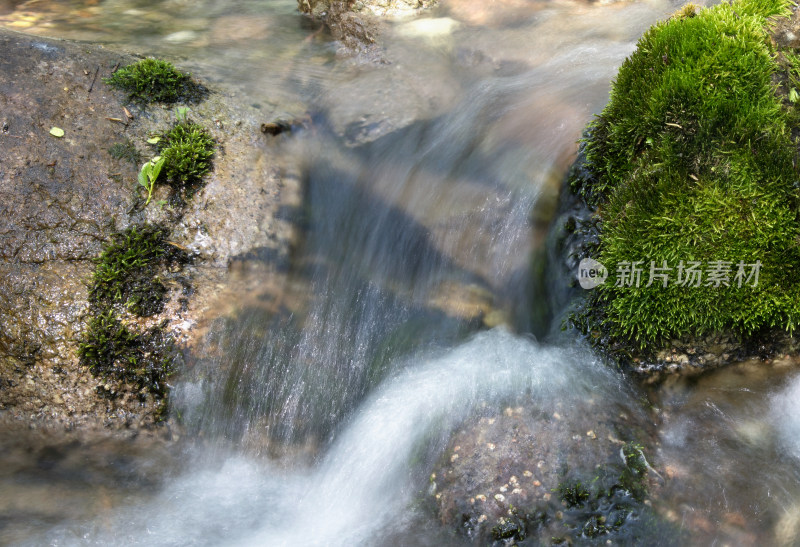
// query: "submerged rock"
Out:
[375,7]
[508,473]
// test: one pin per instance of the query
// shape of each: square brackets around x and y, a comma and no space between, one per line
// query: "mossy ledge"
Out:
[694,162]
[127,286]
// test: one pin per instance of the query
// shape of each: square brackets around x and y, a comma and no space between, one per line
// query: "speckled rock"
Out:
[506,465]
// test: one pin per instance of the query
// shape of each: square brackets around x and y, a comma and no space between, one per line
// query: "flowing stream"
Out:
[430,181]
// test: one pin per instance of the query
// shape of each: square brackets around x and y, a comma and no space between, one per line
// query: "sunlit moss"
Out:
[127,271]
[187,151]
[154,80]
[693,160]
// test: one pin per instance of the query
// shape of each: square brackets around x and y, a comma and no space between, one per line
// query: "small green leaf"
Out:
[158,163]
[793,96]
[57,132]
[153,140]
[144,173]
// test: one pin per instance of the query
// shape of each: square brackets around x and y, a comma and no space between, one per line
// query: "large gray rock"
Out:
[61,199]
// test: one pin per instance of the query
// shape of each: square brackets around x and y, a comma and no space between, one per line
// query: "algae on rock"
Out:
[692,175]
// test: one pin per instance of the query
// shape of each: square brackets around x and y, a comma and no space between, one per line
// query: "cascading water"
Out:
[401,225]
[362,488]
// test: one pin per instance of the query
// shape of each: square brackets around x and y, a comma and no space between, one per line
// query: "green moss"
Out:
[154,80]
[127,280]
[634,475]
[112,350]
[573,493]
[509,528]
[187,150]
[127,272]
[693,160]
[125,150]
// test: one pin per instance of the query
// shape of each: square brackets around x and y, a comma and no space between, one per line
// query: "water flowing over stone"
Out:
[338,370]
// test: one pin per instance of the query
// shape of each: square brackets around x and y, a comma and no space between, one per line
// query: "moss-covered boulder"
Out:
[691,171]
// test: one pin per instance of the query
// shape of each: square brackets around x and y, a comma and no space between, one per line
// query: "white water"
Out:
[368,479]
[784,416]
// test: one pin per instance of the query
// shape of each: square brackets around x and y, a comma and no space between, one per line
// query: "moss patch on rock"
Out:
[127,284]
[154,80]
[127,272]
[125,150]
[114,351]
[187,150]
[691,170]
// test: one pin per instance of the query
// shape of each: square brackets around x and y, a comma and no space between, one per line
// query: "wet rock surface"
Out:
[62,198]
[500,475]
